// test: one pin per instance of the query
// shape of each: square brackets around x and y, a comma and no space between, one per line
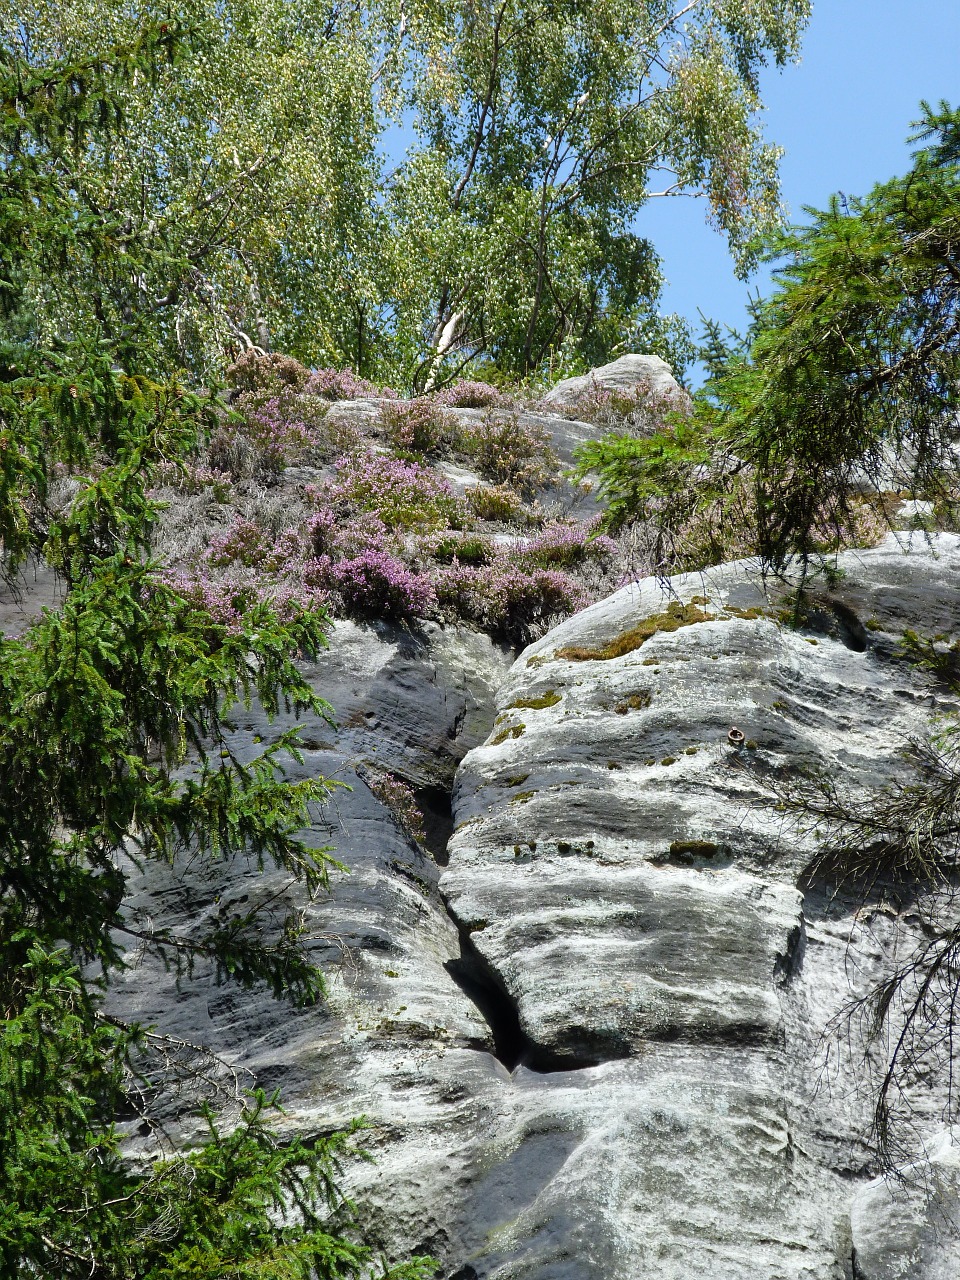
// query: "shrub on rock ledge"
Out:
[404,495]
[373,584]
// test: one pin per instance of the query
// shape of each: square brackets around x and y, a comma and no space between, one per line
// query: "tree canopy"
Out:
[402,187]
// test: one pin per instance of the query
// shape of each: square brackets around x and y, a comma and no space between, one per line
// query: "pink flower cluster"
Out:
[399,799]
[506,598]
[403,495]
[374,583]
[566,545]
[245,542]
[276,431]
[363,566]
[471,395]
[343,384]
[228,599]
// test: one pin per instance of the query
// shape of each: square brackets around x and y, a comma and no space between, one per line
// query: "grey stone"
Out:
[910,1229]
[38,587]
[363,414]
[593,1045]
[914,513]
[625,374]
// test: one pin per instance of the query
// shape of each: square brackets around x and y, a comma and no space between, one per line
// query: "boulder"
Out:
[623,873]
[625,375]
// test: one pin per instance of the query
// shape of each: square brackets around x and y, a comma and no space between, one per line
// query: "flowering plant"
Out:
[418,426]
[471,395]
[507,451]
[403,495]
[374,583]
[343,384]
[398,798]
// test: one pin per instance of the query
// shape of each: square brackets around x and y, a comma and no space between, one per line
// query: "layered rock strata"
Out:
[592,1045]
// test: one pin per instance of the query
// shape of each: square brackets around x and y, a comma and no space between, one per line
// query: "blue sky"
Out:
[842,115]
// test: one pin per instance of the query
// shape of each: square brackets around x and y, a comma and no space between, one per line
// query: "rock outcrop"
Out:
[589,1042]
[626,375]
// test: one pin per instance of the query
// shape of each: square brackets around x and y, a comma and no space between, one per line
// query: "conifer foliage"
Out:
[112,749]
[848,383]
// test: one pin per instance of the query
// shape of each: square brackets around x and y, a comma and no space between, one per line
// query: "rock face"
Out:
[624,375]
[591,1045]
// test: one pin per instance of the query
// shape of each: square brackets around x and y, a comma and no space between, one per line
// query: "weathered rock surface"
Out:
[593,1049]
[624,375]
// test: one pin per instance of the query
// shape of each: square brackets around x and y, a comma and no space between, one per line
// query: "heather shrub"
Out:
[254,371]
[467,548]
[185,477]
[267,432]
[343,384]
[638,411]
[262,434]
[232,453]
[403,495]
[498,503]
[398,798]
[566,546]
[374,583]
[508,451]
[510,601]
[227,598]
[246,542]
[471,395]
[418,427]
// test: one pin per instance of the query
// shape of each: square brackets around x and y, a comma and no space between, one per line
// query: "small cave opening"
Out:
[435,805]
[850,630]
[827,616]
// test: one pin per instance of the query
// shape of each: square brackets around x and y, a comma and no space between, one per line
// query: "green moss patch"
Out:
[548,699]
[513,731]
[675,616]
[685,851]
[638,701]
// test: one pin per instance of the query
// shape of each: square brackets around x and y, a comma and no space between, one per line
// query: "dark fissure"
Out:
[480,984]
[434,806]
[483,986]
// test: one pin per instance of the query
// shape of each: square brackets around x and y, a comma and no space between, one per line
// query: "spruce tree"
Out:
[849,381]
[112,710]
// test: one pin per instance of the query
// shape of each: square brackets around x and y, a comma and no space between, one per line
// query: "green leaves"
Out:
[241,1203]
[849,380]
[115,752]
[250,199]
[855,360]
